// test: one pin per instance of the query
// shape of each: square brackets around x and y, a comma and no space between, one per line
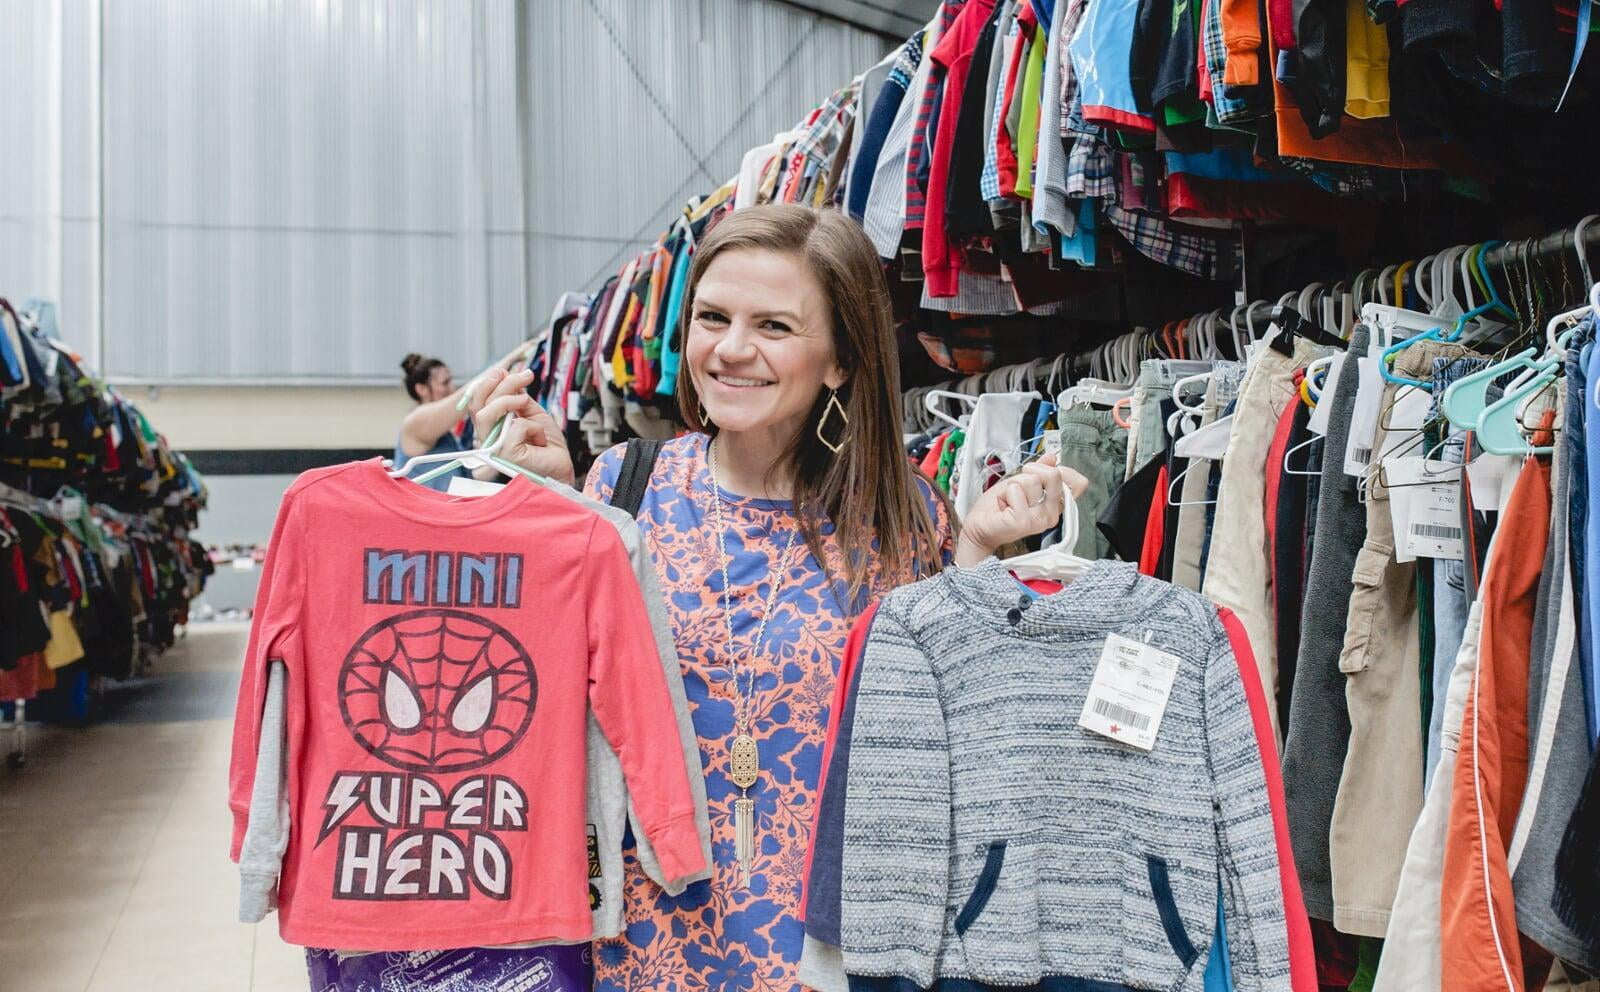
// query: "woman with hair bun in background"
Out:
[435,425]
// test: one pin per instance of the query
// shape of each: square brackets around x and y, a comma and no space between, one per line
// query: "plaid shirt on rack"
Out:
[828,125]
[1156,239]
[1365,181]
[922,130]
[1091,168]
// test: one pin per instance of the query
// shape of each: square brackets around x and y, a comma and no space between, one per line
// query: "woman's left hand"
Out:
[1025,503]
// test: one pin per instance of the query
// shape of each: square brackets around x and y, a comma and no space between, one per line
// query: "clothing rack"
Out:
[1507,257]
[96,516]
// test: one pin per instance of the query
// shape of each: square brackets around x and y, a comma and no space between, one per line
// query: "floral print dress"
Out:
[716,935]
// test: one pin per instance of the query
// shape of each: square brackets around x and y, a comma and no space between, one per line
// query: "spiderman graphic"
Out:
[437,690]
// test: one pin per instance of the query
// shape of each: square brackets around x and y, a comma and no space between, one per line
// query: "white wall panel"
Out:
[304,190]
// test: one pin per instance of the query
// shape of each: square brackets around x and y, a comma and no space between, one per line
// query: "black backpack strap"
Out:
[634,478]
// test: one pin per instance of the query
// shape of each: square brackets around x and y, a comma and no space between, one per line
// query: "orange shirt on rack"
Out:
[1479,946]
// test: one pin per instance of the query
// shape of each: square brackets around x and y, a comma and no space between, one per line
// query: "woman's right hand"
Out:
[533,438]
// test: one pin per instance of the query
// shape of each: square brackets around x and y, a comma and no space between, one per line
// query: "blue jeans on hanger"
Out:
[1450,601]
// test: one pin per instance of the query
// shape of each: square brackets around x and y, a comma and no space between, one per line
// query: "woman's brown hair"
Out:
[418,369]
[868,489]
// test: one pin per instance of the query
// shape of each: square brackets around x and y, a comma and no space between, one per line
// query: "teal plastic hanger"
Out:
[1386,362]
[1467,398]
[1500,432]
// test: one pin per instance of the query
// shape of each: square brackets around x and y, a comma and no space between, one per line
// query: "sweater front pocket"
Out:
[1157,947]
[998,924]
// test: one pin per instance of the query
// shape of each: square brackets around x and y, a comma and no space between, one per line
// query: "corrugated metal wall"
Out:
[304,190]
[642,105]
[49,208]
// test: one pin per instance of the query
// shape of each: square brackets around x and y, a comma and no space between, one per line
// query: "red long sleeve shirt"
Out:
[442,654]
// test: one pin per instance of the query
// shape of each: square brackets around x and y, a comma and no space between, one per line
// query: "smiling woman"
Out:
[793,369]
[788,506]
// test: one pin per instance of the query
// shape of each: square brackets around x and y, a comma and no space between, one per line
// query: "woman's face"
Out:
[760,343]
[439,385]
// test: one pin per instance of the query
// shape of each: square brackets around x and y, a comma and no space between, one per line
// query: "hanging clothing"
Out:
[1157,877]
[1237,575]
[1479,912]
[373,669]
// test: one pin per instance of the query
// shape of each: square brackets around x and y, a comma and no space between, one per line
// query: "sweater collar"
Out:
[1105,598]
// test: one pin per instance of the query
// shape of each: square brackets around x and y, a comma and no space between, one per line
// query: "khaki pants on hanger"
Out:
[1380,789]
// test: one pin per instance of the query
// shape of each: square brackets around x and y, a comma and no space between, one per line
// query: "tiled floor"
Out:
[114,870]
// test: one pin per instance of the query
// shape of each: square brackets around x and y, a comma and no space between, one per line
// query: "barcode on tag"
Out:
[1362,455]
[1121,714]
[1129,692]
[1433,530]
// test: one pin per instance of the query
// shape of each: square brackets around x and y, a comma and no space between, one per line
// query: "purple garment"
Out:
[558,968]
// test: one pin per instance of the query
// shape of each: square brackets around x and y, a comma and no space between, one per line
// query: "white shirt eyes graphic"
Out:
[468,714]
[401,707]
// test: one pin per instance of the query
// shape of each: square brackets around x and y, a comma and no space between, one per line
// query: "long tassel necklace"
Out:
[744,758]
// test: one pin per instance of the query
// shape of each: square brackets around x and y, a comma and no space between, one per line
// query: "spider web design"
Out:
[441,656]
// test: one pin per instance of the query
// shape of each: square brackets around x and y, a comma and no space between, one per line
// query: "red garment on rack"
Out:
[1302,953]
[1155,528]
[941,260]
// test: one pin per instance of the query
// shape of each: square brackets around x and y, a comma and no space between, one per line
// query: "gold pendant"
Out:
[744,761]
[744,830]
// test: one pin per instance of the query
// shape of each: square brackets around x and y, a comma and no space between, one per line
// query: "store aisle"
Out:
[114,870]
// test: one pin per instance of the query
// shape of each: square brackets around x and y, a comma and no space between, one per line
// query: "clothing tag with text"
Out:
[1129,692]
[1364,420]
[1425,504]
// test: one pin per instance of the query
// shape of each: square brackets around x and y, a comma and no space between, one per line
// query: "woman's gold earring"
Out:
[702,406]
[827,411]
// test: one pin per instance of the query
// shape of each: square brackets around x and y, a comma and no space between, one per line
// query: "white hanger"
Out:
[1241,346]
[1385,279]
[485,455]
[1090,390]
[931,399]
[1552,347]
[1056,562]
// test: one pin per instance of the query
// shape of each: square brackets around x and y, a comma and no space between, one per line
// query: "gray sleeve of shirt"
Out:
[267,835]
[655,606]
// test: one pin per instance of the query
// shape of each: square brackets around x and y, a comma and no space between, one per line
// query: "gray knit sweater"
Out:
[989,837]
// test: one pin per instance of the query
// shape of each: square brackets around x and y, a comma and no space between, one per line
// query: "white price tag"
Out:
[463,486]
[574,406]
[1129,693]
[1487,475]
[71,507]
[1410,410]
[1364,419]
[1425,504]
[243,564]
[1318,424]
